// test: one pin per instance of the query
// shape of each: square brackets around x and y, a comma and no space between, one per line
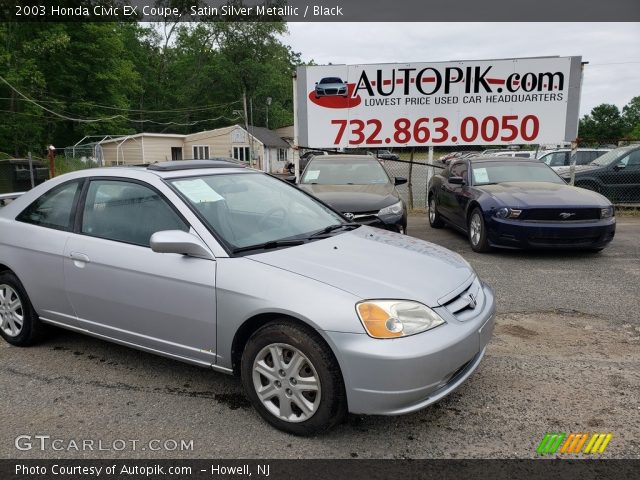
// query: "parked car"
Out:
[384,155]
[359,187]
[616,174]
[304,159]
[235,270]
[558,159]
[502,202]
[515,153]
[331,87]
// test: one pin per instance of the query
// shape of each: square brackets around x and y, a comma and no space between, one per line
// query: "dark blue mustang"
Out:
[502,202]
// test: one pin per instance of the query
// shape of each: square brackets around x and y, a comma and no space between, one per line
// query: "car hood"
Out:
[373,263]
[543,194]
[354,198]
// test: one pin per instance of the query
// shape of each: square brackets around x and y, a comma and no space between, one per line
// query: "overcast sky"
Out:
[612,49]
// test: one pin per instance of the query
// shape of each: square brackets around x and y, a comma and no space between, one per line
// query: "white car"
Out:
[561,158]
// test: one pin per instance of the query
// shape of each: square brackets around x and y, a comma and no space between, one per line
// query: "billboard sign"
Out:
[511,101]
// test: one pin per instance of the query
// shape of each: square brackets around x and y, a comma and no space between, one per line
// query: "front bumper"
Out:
[521,234]
[398,376]
[395,223]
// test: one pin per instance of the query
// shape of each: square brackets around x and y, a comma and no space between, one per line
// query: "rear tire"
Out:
[435,220]
[477,231]
[292,379]
[19,322]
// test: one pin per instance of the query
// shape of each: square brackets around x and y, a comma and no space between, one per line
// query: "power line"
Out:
[95,120]
[133,110]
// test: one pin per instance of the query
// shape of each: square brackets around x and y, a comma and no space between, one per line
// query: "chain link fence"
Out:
[611,168]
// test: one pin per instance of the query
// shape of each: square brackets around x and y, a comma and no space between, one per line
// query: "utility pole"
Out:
[52,161]
[268,104]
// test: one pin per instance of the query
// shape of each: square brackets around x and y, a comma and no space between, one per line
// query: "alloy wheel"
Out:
[11,311]
[475,229]
[286,382]
[432,210]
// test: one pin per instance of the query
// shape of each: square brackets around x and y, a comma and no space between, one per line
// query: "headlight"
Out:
[606,212]
[396,318]
[395,209]
[506,212]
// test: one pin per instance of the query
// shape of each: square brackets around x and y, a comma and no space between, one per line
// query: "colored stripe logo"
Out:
[574,443]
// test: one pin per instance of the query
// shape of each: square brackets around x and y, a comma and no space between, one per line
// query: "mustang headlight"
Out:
[606,212]
[506,212]
[396,318]
[395,209]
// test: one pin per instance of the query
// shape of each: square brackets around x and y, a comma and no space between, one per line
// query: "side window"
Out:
[632,161]
[127,212]
[54,209]
[459,169]
[584,158]
[557,159]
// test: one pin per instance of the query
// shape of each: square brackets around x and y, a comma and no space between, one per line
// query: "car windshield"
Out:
[486,173]
[246,209]
[611,156]
[344,172]
[331,80]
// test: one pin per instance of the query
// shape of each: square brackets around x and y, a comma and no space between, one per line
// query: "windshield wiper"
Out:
[337,226]
[269,245]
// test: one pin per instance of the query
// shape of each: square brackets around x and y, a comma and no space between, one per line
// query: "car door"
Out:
[41,232]
[121,289]
[621,179]
[461,194]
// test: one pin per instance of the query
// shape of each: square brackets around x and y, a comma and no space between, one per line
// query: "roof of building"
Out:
[268,137]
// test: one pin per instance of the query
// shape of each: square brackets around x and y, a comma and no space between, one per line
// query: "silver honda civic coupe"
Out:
[232,269]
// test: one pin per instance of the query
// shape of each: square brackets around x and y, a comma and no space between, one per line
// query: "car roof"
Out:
[487,158]
[326,158]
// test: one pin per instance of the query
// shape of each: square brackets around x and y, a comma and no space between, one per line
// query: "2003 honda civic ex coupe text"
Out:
[228,268]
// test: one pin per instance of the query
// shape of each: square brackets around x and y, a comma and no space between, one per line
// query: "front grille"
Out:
[560,214]
[550,240]
[467,303]
[331,91]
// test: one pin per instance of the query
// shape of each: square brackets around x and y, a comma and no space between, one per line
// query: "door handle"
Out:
[79,257]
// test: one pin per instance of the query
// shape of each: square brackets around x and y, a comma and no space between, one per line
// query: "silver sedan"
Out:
[231,269]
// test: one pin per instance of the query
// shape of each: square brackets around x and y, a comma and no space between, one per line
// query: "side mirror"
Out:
[456,180]
[182,243]
[619,166]
[316,83]
[291,179]
[399,180]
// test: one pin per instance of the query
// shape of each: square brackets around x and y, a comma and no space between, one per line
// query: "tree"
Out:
[603,124]
[631,116]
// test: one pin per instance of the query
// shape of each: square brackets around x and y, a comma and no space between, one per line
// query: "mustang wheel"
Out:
[19,323]
[292,379]
[435,220]
[477,232]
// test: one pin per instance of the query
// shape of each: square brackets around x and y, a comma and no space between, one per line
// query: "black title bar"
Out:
[323,10]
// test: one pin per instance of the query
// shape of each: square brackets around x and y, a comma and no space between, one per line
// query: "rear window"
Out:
[54,209]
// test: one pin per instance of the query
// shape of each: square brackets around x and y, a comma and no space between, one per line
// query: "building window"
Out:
[282,154]
[201,152]
[241,153]
[176,153]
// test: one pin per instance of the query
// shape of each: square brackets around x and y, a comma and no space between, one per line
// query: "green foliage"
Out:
[605,123]
[170,77]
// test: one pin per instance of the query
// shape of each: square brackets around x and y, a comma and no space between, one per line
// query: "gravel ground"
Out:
[565,357]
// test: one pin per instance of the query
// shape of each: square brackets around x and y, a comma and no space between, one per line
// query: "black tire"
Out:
[435,220]
[332,406]
[482,243]
[32,329]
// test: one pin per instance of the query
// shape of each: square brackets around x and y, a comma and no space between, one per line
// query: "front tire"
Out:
[477,232]
[435,220]
[293,379]
[19,322]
